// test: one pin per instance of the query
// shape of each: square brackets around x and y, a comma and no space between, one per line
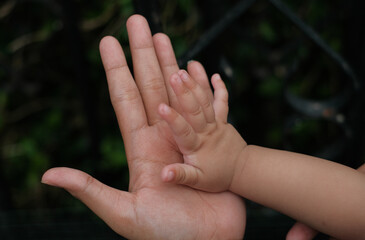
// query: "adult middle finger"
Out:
[147,71]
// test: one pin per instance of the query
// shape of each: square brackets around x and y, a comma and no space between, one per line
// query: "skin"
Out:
[152,208]
[325,195]
[301,231]
[202,133]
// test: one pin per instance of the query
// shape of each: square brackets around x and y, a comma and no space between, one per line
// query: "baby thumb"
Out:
[181,174]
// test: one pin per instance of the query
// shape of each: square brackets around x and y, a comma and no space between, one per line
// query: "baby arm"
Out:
[325,195]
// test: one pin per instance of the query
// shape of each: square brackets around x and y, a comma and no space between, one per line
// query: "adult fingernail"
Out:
[216,77]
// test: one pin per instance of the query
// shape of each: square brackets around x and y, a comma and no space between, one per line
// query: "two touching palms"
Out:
[151,209]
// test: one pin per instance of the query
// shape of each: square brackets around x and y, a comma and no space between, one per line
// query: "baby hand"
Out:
[210,146]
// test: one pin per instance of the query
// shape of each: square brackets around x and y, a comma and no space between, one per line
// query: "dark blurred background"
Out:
[294,69]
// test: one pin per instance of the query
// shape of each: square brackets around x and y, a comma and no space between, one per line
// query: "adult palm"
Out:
[151,209]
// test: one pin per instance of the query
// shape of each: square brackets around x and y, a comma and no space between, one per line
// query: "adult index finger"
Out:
[124,94]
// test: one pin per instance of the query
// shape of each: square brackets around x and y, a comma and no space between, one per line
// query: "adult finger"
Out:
[200,95]
[300,231]
[124,94]
[115,207]
[168,64]
[197,72]
[146,67]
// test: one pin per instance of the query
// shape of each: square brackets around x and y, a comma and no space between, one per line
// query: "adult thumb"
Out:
[181,174]
[115,207]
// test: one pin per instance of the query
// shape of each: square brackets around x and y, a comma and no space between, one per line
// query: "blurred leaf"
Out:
[3,101]
[274,136]
[126,7]
[113,153]
[266,31]
[180,46]
[271,87]
[185,5]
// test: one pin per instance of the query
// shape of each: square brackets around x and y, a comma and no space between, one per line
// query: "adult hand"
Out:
[301,231]
[152,209]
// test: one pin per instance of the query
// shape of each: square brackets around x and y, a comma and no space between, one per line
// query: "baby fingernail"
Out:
[184,75]
[170,176]
[165,109]
[177,79]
